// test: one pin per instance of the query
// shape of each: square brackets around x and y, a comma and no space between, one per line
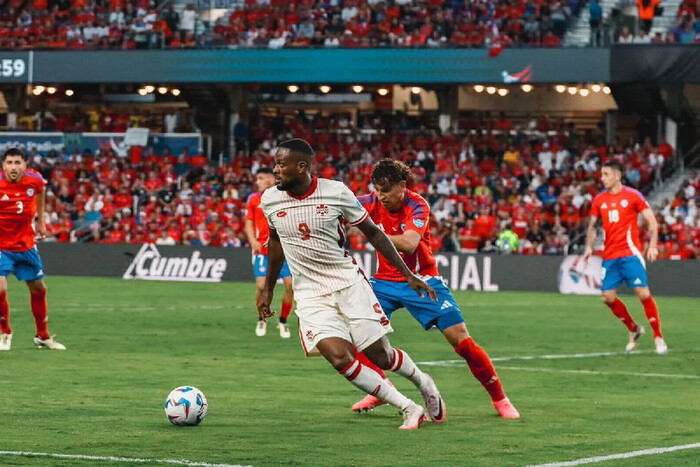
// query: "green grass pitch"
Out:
[130,342]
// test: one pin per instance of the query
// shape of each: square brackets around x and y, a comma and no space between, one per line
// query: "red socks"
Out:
[38,300]
[481,367]
[362,358]
[652,313]
[4,314]
[286,310]
[620,310]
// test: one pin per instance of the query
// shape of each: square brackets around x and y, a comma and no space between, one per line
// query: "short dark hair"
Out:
[14,152]
[614,165]
[264,170]
[390,171]
[298,146]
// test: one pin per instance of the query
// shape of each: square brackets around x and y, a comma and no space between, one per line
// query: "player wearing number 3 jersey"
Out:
[619,207]
[21,198]
[335,303]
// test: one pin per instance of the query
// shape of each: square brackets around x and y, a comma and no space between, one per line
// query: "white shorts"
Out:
[352,313]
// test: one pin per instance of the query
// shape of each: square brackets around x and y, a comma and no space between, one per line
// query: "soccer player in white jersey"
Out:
[335,303]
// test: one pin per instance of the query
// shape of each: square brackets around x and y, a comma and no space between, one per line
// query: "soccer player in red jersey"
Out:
[619,206]
[21,198]
[258,232]
[404,216]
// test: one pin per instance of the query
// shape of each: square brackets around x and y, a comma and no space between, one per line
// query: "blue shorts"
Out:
[260,267]
[394,295]
[25,265]
[630,269]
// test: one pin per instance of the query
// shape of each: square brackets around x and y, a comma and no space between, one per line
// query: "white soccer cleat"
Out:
[284,330]
[634,337]
[261,328]
[48,344]
[433,402]
[413,417]
[661,347]
[5,341]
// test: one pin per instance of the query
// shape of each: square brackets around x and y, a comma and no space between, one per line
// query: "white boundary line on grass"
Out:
[599,373]
[624,455]
[552,357]
[133,460]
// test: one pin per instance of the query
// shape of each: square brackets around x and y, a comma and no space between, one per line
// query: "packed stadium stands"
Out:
[479,183]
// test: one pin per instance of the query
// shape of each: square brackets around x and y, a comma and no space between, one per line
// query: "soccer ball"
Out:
[186,405]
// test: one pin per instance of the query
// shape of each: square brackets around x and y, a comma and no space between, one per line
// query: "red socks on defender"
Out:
[286,310]
[620,310]
[652,313]
[4,314]
[481,367]
[38,300]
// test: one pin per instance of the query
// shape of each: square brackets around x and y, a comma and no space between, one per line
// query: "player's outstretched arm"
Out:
[590,237]
[275,259]
[653,227]
[383,245]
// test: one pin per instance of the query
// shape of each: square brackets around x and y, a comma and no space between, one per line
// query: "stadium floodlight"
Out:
[38,90]
[479,88]
[382,91]
[358,89]
[292,88]
[560,88]
[142,92]
[415,90]
[596,88]
[491,90]
[503,92]
[162,90]
[584,92]
[51,90]
[150,88]
[69,92]
[175,91]
[526,87]
[325,89]
[572,90]
[606,89]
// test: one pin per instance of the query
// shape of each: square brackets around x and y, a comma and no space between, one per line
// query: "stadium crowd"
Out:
[138,24]
[494,188]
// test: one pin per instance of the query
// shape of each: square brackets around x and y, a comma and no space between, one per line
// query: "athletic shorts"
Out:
[352,314]
[630,269]
[260,267]
[25,265]
[442,313]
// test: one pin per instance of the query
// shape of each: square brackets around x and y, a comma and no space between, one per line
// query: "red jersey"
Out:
[413,215]
[619,213]
[255,213]
[17,210]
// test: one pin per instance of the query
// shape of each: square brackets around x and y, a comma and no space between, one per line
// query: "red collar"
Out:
[312,188]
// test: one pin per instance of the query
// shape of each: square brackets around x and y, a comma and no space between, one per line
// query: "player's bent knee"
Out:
[643,293]
[382,357]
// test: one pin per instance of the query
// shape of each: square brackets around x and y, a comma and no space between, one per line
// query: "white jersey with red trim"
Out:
[310,228]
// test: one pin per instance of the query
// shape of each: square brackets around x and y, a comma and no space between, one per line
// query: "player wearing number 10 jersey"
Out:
[619,207]
[21,198]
